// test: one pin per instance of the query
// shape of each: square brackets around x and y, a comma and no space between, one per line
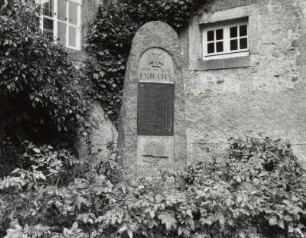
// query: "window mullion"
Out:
[206,43]
[78,30]
[238,37]
[55,16]
[215,41]
[226,39]
[41,16]
[67,23]
[204,46]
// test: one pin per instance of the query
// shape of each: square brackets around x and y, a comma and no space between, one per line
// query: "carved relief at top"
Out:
[156,65]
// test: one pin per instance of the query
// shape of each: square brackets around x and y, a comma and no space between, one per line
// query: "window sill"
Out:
[220,63]
[227,55]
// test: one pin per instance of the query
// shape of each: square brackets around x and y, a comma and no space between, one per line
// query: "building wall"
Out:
[262,93]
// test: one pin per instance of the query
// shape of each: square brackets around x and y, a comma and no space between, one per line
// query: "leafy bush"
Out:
[258,184]
[38,86]
[256,190]
[110,37]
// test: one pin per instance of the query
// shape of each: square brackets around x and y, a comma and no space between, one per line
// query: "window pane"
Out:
[61,5]
[233,32]
[219,34]
[48,8]
[243,30]
[244,43]
[61,27]
[73,13]
[47,24]
[220,46]
[234,44]
[210,35]
[72,36]
[211,48]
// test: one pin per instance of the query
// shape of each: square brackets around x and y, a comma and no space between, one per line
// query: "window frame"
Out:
[68,24]
[226,53]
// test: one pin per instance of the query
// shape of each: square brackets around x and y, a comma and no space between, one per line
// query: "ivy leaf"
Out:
[288,218]
[123,228]
[221,219]
[168,220]
[36,150]
[130,233]
[208,221]
[273,221]
[281,224]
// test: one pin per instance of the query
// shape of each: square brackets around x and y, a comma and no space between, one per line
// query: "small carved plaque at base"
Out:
[155,150]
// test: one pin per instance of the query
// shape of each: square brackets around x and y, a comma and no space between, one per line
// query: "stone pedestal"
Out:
[152,131]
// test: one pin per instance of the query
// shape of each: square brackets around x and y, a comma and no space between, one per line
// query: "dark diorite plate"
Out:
[155,109]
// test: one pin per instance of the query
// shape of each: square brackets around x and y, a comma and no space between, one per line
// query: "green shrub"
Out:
[256,190]
[39,84]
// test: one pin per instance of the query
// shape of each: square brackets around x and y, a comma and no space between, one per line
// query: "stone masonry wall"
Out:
[267,95]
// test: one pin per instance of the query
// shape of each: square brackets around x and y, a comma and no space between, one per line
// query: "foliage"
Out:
[110,37]
[259,183]
[256,190]
[38,81]
[177,13]
[109,42]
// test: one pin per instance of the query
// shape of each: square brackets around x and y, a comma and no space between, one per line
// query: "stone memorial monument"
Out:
[152,130]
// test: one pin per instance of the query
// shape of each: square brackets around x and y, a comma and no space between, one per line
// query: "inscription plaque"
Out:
[155,109]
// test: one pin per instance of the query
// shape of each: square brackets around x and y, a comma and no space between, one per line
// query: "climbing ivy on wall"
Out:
[110,36]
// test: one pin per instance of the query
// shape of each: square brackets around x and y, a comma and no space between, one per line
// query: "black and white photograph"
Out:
[153,118]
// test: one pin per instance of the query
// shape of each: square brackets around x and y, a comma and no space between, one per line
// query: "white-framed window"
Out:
[225,40]
[61,20]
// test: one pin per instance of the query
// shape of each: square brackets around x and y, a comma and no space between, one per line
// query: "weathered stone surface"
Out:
[267,96]
[154,58]
[103,132]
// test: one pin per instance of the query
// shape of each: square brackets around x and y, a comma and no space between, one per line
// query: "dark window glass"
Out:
[243,30]
[210,48]
[244,43]
[234,45]
[219,34]
[233,32]
[220,46]
[210,35]
[48,8]
[48,24]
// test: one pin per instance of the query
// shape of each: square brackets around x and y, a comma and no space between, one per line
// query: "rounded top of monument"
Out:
[156,23]
[156,28]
